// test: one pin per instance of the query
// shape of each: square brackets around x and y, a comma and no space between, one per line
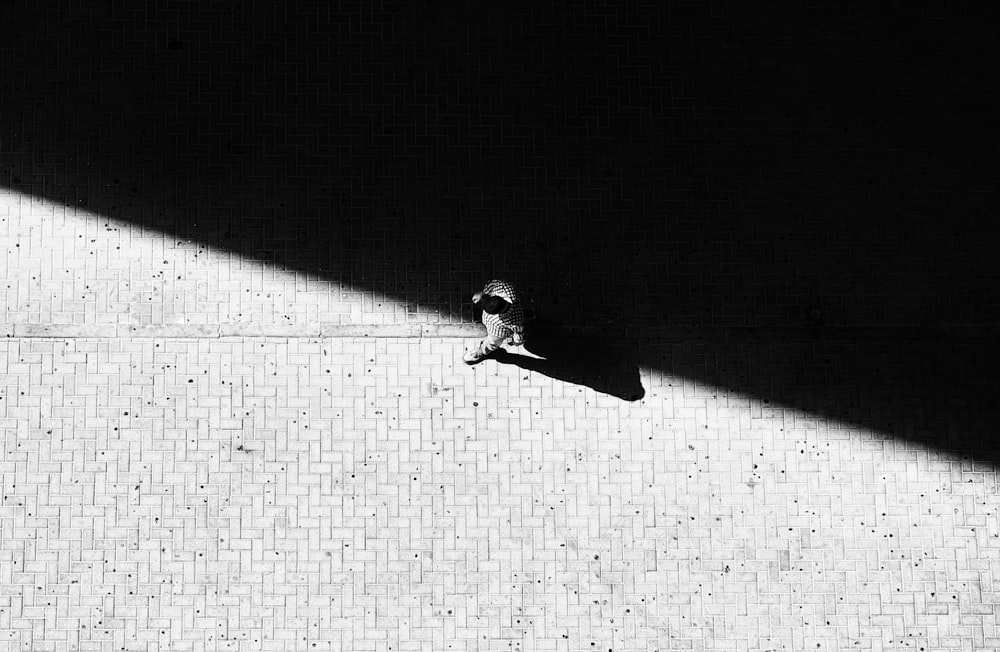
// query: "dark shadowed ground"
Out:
[803,202]
[588,358]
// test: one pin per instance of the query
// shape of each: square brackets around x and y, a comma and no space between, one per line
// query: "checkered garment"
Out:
[507,323]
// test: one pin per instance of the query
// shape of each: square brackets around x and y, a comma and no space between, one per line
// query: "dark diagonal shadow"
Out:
[604,364]
[678,166]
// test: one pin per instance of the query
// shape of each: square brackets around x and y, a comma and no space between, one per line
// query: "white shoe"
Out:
[477,354]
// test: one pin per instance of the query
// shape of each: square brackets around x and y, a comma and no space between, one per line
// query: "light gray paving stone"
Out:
[270,330]
[61,330]
[172,331]
[376,490]
[370,330]
[453,330]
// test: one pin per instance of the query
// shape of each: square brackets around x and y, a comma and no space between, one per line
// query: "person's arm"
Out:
[489,288]
[515,324]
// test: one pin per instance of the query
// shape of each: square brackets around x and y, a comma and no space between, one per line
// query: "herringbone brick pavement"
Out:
[348,494]
[68,266]
[634,165]
[237,241]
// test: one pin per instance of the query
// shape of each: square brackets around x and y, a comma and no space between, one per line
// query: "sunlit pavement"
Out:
[200,453]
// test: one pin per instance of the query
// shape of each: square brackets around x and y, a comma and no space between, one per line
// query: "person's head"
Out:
[492,304]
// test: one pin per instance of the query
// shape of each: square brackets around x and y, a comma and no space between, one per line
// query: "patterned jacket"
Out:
[510,321]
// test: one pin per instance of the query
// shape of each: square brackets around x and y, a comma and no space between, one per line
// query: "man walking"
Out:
[503,316]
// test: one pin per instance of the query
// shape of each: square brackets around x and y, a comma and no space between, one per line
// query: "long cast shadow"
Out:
[648,164]
[606,365]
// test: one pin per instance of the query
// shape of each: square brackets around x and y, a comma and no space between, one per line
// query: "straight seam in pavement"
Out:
[447,331]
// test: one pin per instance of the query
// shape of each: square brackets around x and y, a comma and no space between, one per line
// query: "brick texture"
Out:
[238,241]
[344,494]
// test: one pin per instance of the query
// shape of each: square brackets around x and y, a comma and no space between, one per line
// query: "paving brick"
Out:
[333,482]
[238,246]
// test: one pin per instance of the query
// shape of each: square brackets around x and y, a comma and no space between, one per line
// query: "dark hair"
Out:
[493,305]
